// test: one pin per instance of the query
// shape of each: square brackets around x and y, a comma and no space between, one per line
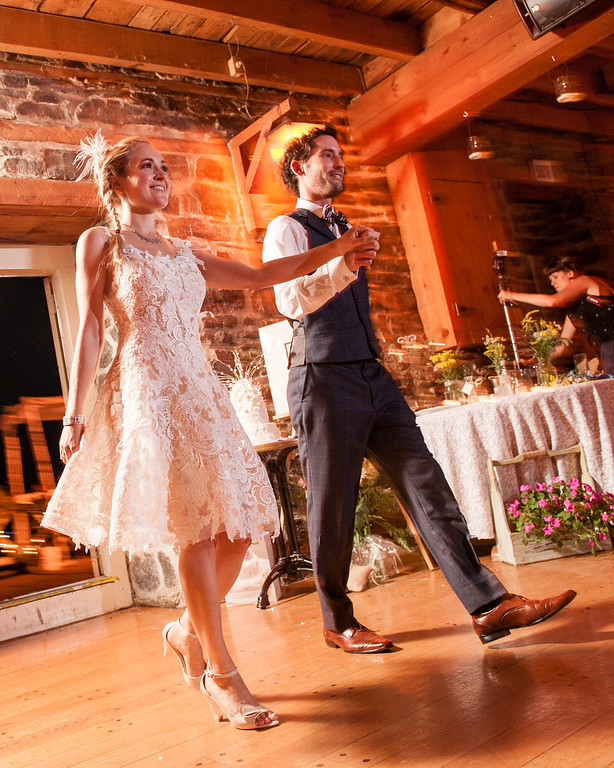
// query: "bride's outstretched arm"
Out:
[360,241]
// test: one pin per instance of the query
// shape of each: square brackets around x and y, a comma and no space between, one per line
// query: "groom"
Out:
[344,403]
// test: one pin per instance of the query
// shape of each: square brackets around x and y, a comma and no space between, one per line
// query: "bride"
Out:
[163,459]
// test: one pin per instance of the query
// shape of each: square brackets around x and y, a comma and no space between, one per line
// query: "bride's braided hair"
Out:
[105,162]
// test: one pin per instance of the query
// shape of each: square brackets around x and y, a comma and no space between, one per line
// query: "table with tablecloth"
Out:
[463,438]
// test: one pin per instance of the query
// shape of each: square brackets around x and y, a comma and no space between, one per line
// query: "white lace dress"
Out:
[164,459]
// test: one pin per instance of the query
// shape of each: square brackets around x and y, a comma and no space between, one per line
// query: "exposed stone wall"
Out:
[46,107]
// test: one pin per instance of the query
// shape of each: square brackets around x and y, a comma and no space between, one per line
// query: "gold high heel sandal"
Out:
[245,718]
[192,680]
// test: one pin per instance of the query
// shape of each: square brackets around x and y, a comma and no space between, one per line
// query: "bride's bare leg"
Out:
[198,566]
[229,556]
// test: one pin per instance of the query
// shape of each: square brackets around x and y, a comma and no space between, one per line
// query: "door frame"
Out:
[109,589]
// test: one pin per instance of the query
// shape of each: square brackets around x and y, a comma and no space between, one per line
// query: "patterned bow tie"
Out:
[330,215]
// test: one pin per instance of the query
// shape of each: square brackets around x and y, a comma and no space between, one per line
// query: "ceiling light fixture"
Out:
[478,146]
[569,88]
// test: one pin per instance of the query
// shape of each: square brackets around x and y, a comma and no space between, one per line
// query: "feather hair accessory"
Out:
[91,156]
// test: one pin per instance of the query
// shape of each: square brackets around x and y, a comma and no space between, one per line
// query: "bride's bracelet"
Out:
[76,418]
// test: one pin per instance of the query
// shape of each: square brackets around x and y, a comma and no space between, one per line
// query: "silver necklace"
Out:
[154,240]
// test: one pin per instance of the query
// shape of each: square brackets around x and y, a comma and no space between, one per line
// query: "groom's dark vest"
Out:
[340,331]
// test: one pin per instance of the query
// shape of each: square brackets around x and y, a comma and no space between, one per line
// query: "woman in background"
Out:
[589,301]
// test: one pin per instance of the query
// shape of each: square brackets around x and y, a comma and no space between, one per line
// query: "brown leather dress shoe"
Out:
[515,611]
[357,640]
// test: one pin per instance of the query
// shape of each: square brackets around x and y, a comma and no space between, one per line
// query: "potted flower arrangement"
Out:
[451,369]
[554,512]
[543,336]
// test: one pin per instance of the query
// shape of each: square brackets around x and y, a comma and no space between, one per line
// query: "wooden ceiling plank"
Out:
[486,59]
[112,12]
[146,18]
[66,7]
[212,29]
[30,33]
[329,24]
[29,5]
[186,26]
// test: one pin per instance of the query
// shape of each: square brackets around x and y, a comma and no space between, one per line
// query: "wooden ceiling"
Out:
[337,47]
[407,69]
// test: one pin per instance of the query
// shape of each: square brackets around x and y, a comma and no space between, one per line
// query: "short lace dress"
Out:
[164,459]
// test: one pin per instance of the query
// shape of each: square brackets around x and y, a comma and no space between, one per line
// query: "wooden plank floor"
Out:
[99,694]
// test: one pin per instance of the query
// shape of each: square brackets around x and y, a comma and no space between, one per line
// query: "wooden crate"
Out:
[509,543]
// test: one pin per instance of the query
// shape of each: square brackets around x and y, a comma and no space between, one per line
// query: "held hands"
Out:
[505,297]
[360,245]
[70,441]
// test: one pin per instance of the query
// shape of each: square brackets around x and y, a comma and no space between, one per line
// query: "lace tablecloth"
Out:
[462,439]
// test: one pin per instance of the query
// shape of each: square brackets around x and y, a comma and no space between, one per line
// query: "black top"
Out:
[595,315]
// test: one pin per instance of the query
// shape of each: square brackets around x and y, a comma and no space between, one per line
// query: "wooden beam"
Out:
[40,34]
[320,22]
[45,210]
[554,118]
[45,193]
[483,61]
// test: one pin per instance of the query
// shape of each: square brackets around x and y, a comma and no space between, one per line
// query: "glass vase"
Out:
[546,374]
[503,385]
[452,390]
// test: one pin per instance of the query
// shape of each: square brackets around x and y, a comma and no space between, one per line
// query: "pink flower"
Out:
[542,503]
[605,517]
[548,530]
[557,479]
[528,527]
[512,509]
[573,493]
[602,536]
[574,483]
[549,488]
[540,486]
[556,523]
[591,543]
[525,488]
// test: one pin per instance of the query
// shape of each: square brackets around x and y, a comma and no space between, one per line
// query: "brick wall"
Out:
[47,106]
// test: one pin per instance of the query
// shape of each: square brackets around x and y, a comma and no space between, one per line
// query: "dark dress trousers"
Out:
[343,404]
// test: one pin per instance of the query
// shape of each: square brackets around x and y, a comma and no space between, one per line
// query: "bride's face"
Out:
[146,186]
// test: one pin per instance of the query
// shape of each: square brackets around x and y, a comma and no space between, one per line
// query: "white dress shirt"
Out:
[287,237]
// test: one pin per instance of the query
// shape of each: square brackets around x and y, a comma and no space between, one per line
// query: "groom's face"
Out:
[320,177]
